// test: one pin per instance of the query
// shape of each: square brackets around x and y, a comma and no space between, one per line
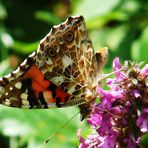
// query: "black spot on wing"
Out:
[67,71]
[52,88]
[33,101]
[5,81]
[41,98]
[26,86]
[76,92]
[58,100]
[26,83]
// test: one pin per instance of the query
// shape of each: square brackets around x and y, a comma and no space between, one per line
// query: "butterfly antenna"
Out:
[46,141]
[112,73]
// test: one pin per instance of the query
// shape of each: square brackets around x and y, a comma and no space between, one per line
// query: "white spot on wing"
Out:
[56,26]
[31,55]
[67,61]
[18,85]
[13,98]
[52,105]
[48,61]
[24,62]
[23,96]
[71,89]
[25,103]
[7,76]
[7,102]
[1,89]
[10,88]
[25,106]
[58,79]
[88,92]
[16,71]
[11,78]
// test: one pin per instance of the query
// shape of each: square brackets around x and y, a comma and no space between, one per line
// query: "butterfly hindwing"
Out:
[28,88]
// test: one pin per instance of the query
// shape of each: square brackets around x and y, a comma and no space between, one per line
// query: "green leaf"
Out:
[140,47]
[5,67]
[3,12]
[144,45]
[47,17]
[90,9]
[100,20]
[25,48]
[144,141]
[35,126]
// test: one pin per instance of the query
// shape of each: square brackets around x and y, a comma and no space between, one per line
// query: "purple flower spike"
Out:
[131,143]
[142,122]
[116,64]
[136,93]
[95,120]
[109,141]
[106,126]
[121,117]
[82,140]
[144,70]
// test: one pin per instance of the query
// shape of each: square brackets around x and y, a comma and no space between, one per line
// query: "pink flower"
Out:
[136,93]
[109,141]
[130,141]
[121,117]
[144,70]
[142,121]
[93,140]
[116,64]
[116,68]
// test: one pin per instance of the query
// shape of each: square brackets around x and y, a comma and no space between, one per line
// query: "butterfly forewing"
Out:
[67,53]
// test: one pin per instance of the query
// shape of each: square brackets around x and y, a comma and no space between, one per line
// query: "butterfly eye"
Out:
[69,36]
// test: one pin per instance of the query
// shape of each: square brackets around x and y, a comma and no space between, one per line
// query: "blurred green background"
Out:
[120,25]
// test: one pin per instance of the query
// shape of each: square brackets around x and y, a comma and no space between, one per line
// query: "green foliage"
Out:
[35,126]
[119,25]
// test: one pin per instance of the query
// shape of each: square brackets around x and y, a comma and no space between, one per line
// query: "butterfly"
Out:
[61,72]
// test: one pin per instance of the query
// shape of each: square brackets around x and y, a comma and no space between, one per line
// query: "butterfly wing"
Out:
[68,60]
[62,72]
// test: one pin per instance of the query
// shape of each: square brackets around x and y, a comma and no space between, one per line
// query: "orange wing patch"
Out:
[39,84]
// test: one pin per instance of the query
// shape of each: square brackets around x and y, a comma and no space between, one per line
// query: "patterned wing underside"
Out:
[28,88]
[67,59]
[62,72]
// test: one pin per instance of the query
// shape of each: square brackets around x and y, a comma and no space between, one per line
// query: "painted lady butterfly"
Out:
[62,72]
